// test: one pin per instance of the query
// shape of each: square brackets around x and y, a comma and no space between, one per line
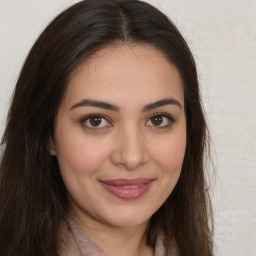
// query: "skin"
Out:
[125,144]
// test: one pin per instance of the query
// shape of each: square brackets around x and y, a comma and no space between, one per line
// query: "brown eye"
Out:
[95,121]
[156,120]
[160,120]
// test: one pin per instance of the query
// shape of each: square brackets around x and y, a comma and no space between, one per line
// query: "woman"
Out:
[104,144]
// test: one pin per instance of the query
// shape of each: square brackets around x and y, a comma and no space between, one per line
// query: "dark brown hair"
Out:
[32,194]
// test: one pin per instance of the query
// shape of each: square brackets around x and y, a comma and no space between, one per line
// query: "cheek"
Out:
[79,156]
[170,154]
[168,160]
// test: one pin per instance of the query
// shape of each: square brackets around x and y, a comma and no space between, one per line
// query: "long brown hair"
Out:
[33,197]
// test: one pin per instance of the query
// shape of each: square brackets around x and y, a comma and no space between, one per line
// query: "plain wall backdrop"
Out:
[222,36]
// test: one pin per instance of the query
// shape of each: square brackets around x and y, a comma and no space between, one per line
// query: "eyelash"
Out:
[86,118]
[171,120]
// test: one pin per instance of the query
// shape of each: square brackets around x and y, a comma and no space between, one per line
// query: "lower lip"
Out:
[127,193]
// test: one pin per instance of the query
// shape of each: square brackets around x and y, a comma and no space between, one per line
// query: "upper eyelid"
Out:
[95,114]
[88,127]
[164,114]
[106,117]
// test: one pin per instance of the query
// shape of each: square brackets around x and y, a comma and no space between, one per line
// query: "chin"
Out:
[126,219]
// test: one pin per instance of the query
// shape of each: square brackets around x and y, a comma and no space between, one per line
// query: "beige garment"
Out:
[74,242]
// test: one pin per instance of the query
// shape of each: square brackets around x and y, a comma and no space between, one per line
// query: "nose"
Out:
[130,150]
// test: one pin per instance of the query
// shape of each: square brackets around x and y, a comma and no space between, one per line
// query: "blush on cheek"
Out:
[171,158]
[83,159]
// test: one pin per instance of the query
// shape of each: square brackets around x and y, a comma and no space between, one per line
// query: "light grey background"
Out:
[222,36]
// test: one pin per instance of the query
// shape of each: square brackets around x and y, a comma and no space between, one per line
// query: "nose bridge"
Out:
[130,150]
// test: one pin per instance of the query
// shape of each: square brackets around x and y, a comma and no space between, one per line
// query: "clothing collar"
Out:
[74,242]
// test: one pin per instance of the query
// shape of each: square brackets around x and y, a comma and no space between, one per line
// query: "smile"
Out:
[127,189]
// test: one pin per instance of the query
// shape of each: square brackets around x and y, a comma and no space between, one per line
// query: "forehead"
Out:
[118,72]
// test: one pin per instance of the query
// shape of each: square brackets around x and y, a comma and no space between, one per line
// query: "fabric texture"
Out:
[74,242]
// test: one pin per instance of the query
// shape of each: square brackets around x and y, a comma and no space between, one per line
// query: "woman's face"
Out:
[120,135]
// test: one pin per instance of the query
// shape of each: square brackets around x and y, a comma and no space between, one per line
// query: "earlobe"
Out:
[51,147]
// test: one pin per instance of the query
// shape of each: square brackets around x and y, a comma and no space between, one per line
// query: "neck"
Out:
[117,241]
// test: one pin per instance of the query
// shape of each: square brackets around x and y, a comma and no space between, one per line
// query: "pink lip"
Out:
[127,188]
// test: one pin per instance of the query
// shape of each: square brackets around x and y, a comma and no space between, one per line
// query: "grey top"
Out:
[74,242]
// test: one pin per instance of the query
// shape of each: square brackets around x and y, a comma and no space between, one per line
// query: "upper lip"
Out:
[127,182]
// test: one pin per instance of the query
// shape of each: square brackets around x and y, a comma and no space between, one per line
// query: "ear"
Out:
[51,146]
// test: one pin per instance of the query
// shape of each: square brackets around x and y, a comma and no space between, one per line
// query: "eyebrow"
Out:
[95,103]
[108,106]
[161,103]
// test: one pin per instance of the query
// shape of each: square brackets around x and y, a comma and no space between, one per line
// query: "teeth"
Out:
[132,186]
